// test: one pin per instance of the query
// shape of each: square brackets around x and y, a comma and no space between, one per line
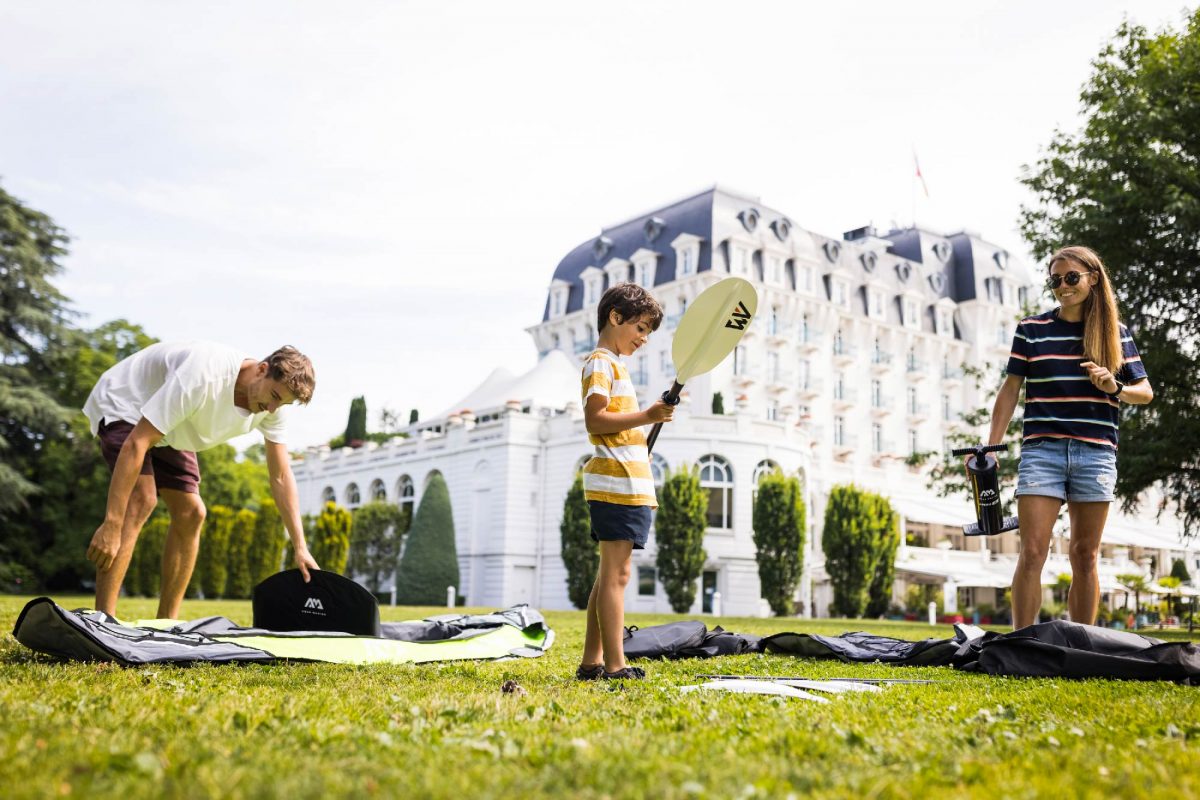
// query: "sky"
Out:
[389,185]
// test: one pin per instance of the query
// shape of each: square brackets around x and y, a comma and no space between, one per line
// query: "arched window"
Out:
[406,494]
[764,468]
[581,462]
[658,469]
[353,497]
[378,491]
[717,478]
[328,495]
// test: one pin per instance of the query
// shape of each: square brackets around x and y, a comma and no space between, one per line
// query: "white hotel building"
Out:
[853,361]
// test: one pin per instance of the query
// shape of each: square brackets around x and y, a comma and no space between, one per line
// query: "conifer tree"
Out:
[240,579]
[849,560]
[356,423]
[144,576]
[779,531]
[679,529]
[265,554]
[718,403]
[885,533]
[580,553]
[212,563]
[330,543]
[430,560]
[375,537]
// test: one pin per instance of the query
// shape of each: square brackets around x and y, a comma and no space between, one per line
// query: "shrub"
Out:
[580,553]
[679,534]
[376,533]
[265,553]
[330,543]
[430,560]
[779,526]
[240,580]
[212,563]
[860,537]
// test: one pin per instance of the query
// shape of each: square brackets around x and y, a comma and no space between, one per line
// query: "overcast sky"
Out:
[389,186]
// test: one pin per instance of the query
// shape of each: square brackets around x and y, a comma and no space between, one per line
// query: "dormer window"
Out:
[593,285]
[600,247]
[560,293]
[869,260]
[832,250]
[942,251]
[645,263]
[617,271]
[1001,259]
[839,293]
[782,228]
[749,218]
[911,312]
[687,254]
[874,302]
[904,270]
[653,228]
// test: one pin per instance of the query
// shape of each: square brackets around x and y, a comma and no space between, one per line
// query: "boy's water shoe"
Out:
[624,674]
[589,672]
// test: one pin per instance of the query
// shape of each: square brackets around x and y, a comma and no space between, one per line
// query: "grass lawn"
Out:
[306,730]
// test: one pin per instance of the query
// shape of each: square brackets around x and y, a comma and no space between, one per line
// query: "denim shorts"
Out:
[1069,469]
[617,523]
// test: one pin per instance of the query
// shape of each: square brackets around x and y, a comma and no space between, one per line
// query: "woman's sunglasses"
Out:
[1072,278]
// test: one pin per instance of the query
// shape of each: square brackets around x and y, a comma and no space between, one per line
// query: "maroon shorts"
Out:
[171,468]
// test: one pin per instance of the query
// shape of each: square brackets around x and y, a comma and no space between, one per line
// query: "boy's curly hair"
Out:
[294,370]
[629,301]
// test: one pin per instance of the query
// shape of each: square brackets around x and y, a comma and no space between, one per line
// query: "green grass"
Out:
[305,730]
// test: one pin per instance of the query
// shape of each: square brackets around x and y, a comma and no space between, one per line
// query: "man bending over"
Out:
[153,412]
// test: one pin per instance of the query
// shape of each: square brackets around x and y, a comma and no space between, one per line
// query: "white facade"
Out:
[853,361]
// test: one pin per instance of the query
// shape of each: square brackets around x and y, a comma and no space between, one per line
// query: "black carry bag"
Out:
[671,641]
[329,602]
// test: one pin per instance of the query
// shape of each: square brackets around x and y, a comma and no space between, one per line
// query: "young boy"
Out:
[616,481]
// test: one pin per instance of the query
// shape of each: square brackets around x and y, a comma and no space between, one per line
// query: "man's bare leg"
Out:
[137,511]
[179,553]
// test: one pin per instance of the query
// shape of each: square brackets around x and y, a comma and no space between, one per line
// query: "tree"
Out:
[144,576]
[212,562]
[1173,601]
[375,537]
[718,403]
[265,553]
[1179,570]
[33,320]
[430,560]
[356,423]
[679,535]
[233,482]
[885,531]
[580,553]
[1137,584]
[1126,185]
[240,580]
[331,538]
[859,537]
[946,474]
[412,417]
[779,526]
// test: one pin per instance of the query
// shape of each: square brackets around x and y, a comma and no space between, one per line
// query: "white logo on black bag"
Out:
[314,603]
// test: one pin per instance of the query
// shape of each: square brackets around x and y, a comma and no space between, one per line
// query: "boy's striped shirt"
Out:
[619,472]
[1061,402]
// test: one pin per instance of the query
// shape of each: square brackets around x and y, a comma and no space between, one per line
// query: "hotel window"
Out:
[802,373]
[841,294]
[353,498]
[912,400]
[876,437]
[772,410]
[717,478]
[913,444]
[739,360]
[328,495]
[945,322]
[911,318]
[776,269]
[875,300]
[773,322]
[378,491]
[658,469]
[646,581]
[806,278]
[773,367]
[688,266]
[1001,334]
[664,362]
[946,408]
[739,261]
[876,393]
[839,388]
[645,274]
[839,431]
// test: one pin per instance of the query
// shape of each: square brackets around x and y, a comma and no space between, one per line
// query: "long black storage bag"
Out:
[329,602]
[672,640]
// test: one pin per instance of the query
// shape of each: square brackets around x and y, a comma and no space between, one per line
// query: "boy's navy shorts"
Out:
[616,523]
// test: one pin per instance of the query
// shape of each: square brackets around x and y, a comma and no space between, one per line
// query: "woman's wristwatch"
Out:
[1117,394]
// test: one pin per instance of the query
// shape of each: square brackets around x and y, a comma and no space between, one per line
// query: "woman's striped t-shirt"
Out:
[619,472]
[1061,402]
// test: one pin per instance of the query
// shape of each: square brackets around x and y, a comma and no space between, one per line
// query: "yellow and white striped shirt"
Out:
[619,472]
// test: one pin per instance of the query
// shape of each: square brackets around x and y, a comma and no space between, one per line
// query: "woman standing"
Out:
[1080,364]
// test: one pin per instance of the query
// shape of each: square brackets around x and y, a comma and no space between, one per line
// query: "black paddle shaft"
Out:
[671,398]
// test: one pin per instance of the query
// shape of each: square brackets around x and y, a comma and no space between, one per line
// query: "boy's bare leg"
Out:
[615,564]
[593,650]
[179,554]
[1037,515]
[139,508]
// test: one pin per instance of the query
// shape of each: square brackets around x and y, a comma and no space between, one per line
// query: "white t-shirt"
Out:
[185,390]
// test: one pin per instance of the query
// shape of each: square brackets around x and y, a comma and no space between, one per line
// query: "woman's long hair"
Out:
[1101,322]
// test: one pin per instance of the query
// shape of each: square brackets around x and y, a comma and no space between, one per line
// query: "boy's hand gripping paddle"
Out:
[710,329]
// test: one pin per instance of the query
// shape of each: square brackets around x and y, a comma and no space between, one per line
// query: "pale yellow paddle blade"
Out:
[712,326]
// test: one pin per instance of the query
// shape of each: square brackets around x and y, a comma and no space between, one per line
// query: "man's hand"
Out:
[106,541]
[305,562]
[1101,378]
[660,412]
